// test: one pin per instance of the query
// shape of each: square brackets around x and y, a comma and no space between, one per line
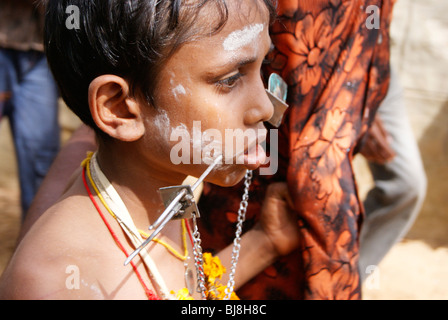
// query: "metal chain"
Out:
[239,229]
[197,249]
[198,261]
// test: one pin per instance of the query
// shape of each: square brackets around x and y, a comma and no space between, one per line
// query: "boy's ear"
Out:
[113,111]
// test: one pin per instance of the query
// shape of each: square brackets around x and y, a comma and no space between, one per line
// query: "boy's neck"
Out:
[137,183]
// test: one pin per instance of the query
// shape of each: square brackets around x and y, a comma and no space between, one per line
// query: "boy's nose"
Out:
[261,106]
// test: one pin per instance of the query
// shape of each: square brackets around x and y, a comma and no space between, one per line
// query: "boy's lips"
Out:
[254,155]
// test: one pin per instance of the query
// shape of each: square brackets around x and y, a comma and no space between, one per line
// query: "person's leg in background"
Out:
[394,202]
[6,71]
[34,121]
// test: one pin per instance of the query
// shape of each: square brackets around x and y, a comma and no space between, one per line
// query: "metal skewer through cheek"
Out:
[172,209]
[185,193]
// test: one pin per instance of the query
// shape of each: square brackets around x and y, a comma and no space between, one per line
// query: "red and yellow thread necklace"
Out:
[142,233]
[212,266]
[118,210]
[148,292]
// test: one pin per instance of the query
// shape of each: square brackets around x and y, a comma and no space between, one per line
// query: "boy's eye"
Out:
[228,83]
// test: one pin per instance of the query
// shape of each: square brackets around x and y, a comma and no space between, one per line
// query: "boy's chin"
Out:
[229,178]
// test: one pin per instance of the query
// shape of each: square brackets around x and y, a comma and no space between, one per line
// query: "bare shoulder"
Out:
[48,260]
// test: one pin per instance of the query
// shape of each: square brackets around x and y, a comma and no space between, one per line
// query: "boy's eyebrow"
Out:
[233,64]
[246,61]
[239,63]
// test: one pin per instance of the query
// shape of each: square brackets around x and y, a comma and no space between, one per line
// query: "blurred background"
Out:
[416,267]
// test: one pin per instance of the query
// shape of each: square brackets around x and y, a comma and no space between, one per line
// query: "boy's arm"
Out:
[256,254]
[276,234]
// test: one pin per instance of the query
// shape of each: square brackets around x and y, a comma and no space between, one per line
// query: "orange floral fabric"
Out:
[337,69]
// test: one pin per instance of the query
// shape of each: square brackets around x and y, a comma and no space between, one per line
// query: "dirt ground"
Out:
[9,224]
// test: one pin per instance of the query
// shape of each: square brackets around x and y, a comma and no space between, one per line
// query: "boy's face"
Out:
[211,99]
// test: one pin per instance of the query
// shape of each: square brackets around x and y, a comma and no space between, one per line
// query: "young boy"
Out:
[135,71]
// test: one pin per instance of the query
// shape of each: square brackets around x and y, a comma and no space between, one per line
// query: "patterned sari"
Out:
[334,55]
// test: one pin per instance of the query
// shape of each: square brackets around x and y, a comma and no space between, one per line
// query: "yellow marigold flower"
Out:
[183,294]
[233,296]
[213,269]
[221,293]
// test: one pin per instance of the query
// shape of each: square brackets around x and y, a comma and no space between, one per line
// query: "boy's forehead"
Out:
[246,20]
[238,39]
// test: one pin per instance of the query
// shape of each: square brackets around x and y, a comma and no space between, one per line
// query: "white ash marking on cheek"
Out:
[241,38]
[181,128]
[180,131]
[162,122]
[178,90]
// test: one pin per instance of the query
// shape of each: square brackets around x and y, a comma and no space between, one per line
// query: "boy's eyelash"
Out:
[228,83]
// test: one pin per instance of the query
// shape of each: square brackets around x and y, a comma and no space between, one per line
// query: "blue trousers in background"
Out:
[29,98]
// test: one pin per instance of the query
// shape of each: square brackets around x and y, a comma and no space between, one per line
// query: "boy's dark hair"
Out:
[128,38]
